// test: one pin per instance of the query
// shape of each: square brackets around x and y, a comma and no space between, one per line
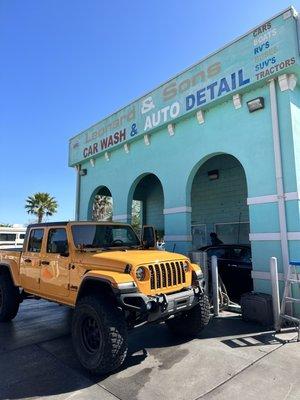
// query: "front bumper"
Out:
[162,306]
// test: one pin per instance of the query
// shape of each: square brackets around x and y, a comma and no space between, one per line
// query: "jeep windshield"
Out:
[95,237]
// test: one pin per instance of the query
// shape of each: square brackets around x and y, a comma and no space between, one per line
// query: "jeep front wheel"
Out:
[190,323]
[99,335]
[9,298]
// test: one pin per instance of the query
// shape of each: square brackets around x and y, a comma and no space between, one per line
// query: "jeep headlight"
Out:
[140,273]
[185,266]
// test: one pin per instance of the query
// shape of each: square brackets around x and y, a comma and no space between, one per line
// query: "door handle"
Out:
[27,260]
[45,262]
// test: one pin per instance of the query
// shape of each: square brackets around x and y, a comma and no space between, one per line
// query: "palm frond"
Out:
[41,204]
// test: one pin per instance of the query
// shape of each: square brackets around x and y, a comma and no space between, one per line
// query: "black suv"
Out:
[235,266]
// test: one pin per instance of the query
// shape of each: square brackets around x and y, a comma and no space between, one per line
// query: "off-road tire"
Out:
[9,298]
[191,322]
[99,335]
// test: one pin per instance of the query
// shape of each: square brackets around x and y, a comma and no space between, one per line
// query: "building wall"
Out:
[223,200]
[175,160]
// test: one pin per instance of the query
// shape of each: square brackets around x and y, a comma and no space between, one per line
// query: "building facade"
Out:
[214,149]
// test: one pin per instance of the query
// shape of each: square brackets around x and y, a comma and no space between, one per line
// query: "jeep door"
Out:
[55,260]
[30,270]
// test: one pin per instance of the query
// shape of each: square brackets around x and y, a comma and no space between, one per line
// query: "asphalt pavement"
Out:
[231,359]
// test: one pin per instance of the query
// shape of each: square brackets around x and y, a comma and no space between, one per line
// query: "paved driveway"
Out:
[230,360]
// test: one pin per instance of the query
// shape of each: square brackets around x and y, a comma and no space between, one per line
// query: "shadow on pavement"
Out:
[252,341]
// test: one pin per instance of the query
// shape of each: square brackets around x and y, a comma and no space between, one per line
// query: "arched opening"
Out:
[148,204]
[220,220]
[101,205]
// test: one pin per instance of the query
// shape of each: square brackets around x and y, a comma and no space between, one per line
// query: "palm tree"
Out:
[102,208]
[137,215]
[41,204]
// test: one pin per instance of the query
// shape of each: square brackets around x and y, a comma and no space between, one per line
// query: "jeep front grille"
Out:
[166,274]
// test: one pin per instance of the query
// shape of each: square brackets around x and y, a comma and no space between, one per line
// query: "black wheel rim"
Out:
[91,334]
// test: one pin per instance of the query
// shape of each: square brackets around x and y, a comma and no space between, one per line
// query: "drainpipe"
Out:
[279,176]
[77,200]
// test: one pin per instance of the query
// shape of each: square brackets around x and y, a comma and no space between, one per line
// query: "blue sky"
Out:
[66,64]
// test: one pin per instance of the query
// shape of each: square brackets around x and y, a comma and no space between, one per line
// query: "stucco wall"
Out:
[175,160]
[222,200]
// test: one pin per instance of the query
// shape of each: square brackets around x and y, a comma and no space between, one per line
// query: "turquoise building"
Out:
[215,148]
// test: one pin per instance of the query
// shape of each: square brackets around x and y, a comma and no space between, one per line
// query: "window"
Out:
[7,237]
[220,252]
[22,236]
[241,254]
[122,234]
[35,240]
[57,241]
[103,236]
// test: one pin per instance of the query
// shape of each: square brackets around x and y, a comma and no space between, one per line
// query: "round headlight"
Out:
[185,267]
[140,273]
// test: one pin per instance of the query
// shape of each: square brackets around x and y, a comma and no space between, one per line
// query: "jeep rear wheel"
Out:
[191,322]
[99,335]
[9,298]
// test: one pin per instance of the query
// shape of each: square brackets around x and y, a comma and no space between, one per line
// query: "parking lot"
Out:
[231,359]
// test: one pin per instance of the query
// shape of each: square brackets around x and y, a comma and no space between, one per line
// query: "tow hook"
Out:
[197,290]
[163,302]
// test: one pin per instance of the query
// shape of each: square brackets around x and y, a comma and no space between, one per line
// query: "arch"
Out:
[146,201]
[220,215]
[199,164]
[217,191]
[104,205]
[136,181]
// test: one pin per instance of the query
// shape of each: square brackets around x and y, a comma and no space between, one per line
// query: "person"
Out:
[160,243]
[214,239]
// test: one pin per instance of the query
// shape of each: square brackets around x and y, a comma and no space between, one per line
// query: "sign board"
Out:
[267,50]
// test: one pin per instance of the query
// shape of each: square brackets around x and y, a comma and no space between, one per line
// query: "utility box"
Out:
[257,307]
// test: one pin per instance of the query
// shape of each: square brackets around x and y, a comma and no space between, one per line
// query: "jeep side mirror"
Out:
[149,237]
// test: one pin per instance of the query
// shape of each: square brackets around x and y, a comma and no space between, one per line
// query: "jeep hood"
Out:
[117,260]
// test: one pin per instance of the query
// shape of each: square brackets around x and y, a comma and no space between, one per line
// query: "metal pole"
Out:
[205,271]
[275,293]
[279,176]
[77,200]
[215,284]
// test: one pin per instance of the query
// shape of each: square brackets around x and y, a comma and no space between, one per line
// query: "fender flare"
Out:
[109,284]
[8,270]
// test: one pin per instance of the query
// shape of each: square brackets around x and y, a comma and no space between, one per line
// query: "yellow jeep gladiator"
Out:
[113,281]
